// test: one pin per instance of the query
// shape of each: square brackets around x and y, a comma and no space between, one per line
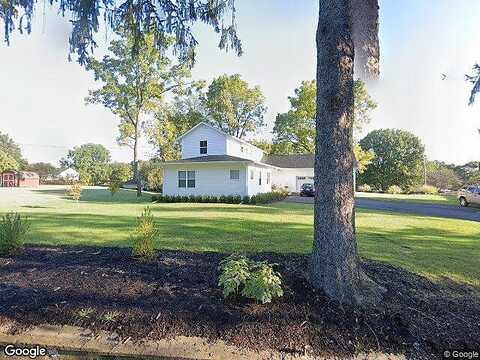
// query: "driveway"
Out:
[447,211]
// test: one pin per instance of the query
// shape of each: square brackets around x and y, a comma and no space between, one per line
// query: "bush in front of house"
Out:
[144,236]
[365,188]
[13,231]
[75,191]
[263,198]
[394,189]
[251,279]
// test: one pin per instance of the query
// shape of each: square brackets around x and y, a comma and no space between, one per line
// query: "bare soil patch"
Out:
[177,295]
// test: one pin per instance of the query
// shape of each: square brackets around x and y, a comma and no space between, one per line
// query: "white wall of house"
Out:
[243,150]
[210,179]
[216,142]
[292,178]
[254,173]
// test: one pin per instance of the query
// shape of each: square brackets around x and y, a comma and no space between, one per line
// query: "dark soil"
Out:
[177,294]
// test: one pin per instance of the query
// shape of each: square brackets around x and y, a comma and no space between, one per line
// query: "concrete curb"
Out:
[79,340]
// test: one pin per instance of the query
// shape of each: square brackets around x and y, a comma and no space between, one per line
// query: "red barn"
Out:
[12,178]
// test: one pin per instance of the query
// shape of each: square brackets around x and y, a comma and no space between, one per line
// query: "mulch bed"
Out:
[177,294]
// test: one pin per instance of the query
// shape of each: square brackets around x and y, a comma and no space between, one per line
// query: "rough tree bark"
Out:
[335,266]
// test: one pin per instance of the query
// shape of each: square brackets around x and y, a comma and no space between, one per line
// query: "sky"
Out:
[42,94]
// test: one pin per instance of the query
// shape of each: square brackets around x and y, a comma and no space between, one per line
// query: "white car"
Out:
[469,195]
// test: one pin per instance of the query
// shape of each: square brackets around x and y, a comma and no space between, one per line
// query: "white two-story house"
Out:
[215,163]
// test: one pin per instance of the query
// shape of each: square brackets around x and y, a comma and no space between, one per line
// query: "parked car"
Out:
[307,190]
[469,195]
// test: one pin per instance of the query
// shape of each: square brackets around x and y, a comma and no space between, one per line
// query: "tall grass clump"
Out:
[144,235]
[13,231]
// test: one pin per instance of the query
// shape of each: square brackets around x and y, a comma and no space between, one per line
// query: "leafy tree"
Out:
[91,161]
[297,126]
[172,120]
[152,174]
[159,17]
[44,170]
[119,174]
[134,85]
[363,157]
[399,157]
[12,152]
[442,176]
[7,162]
[233,107]
[280,148]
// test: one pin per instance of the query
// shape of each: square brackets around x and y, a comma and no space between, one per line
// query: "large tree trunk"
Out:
[335,266]
[136,170]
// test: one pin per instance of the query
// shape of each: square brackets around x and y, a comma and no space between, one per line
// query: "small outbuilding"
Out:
[12,178]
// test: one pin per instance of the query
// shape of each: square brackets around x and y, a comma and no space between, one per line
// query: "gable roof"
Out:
[290,161]
[220,132]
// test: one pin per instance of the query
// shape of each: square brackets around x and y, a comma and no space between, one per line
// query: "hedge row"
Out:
[263,198]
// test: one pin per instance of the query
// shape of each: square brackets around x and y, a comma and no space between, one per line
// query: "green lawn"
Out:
[430,246]
[442,199]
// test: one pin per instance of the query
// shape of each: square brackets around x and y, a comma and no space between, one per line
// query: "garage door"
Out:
[303,180]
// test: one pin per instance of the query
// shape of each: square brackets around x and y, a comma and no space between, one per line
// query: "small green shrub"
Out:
[365,188]
[264,284]
[144,236]
[110,316]
[13,231]
[246,199]
[235,270]
[394,189]
[85,313]
[253,199]
[252,279]
[75,191]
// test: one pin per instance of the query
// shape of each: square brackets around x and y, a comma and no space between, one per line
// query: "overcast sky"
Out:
[42,94]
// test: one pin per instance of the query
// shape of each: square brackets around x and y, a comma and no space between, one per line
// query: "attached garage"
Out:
[12,178]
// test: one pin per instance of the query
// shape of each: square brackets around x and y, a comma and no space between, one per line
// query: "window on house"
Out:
[252,175]
[182,179]
[241,148]
[234,174]
[186,179]
[268,178]
[203,147]
[191,179]
[259,178]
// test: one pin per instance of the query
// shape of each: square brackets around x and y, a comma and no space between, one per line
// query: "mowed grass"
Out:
[434,247]
[438,199]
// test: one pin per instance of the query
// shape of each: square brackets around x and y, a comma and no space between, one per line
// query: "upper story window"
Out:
[234,174]
[203,147]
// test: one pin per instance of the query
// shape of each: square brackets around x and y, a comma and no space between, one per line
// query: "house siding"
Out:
[217,143]
[235,147]
[210,179]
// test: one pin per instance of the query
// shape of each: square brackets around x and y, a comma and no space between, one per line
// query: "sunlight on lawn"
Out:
[429,246]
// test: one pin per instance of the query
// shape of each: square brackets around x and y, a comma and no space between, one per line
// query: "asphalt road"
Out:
[447,211]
